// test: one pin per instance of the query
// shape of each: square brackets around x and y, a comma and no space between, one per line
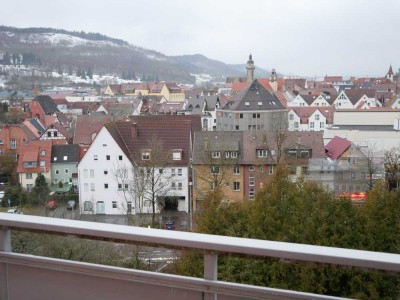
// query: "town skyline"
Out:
[306,38]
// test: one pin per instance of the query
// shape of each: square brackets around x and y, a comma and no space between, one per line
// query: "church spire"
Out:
[390,74]
[250,69]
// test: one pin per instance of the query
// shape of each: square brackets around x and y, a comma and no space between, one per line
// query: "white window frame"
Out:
[236,186]
[216,154]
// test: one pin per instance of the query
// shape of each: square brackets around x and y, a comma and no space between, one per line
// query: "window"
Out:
[172,172]
[87,206]
[125,186]
[66,171]
[91,173]
[236,170]
[179,185]
[108,157]
[234,154]
[42,163]
[43,153]
[57,172]
[261,169]
[241,116]
[251,194]
[212,186]
[160,171]
[177,155]
[95,157]
[296,125]
[129,207]
[28,176]
[173,185]
[86,187]
[114,204]
[311,124]
[29,187]
[65,157]
[106,186]
[1,142]
[322,124]
[251,180]
[119,157]
[353,175]
[271,170]
[262,153]
[256,116]
[105,172]
[291,117]
[236,186]
[13,144]
[119,186]
[146,155]
[214,169]
[316,117]
[216,154]
[1,152]
[252,168]
[179,172]
[92,187]
[85,173]
[227,154]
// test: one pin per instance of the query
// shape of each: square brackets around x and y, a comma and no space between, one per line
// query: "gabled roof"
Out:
[336,147]
[88,126]
[355,95]
[47,104]
[65,154]
[34,126]
[254,97]
[31,152]
[174,132]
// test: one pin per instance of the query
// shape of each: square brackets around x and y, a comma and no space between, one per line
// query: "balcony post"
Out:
[210,272]
[5,246]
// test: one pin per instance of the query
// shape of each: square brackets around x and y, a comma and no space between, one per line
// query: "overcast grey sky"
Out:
[298,37]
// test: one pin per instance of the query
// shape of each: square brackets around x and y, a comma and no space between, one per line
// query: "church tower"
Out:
[250,69]
[390,74]
[273,80]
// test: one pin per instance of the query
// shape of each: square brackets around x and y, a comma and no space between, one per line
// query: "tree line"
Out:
[302,212]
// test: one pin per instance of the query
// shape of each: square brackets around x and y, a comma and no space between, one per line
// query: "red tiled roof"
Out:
[31,152]
[336,147]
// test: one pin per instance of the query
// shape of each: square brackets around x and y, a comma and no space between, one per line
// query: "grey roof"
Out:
[206,141]
[47,104]
[254,98]
[71,152]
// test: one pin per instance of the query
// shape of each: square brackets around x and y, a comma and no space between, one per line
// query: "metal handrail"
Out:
[211,245]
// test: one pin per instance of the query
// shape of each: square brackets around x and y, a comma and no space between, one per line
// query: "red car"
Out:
[52,204]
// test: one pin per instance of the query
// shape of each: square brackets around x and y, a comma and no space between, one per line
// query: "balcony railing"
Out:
[32,277]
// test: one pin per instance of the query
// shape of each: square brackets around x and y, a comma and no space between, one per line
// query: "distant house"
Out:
[206,107]
[64,170]
[309,118]
[34,159]
[43,106]
[254,108]
[356,98]
[57,133]
[13,137]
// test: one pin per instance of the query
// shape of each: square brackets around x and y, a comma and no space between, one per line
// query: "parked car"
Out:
[170,225]
[52,204]
[71,205]
[14,211]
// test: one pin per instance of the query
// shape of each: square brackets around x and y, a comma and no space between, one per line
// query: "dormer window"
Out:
[177,154]
[146,155]
[262,153]
[216,154]
[43,153]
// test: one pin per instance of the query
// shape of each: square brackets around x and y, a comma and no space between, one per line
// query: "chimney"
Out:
[134,130]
